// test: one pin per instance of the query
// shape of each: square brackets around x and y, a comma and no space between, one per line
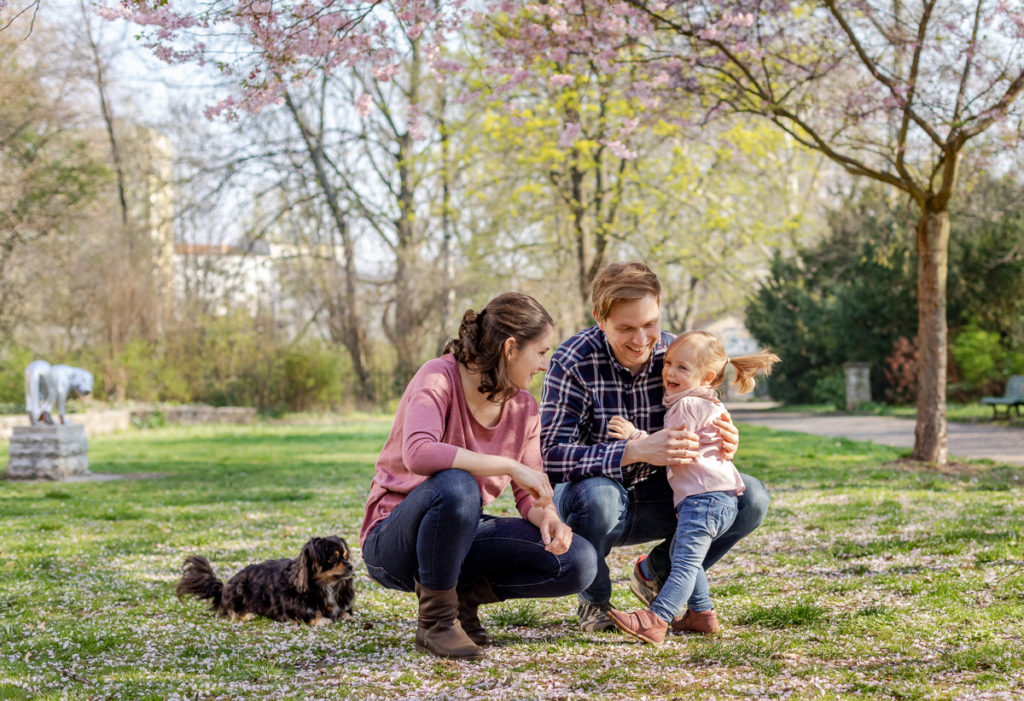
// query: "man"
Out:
[615,492]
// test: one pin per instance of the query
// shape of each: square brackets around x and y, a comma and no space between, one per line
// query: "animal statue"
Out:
[46,384]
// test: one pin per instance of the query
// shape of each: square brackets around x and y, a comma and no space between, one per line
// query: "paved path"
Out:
[966,440]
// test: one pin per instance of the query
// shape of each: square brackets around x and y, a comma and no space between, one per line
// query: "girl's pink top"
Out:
[710,472]
[432,422]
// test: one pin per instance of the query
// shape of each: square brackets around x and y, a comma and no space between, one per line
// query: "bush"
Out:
[830,389]
[900,370]
[13,362]
[309,377]
[984,362]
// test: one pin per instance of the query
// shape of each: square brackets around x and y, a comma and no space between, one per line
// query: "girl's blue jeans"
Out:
[702,519]
[609,515]
[439,536]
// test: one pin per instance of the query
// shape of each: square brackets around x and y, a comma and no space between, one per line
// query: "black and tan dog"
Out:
[314,588]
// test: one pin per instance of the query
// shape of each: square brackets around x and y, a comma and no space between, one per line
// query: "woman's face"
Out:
[525,361]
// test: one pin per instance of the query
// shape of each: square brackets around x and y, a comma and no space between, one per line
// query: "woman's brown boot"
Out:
[471,596]
[439,631]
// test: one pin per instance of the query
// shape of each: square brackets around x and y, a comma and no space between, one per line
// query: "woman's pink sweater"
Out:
[432,422]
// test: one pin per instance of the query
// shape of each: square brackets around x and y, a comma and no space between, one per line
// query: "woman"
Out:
[465,428]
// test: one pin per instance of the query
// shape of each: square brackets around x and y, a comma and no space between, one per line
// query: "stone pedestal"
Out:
[48,452]
[858,384]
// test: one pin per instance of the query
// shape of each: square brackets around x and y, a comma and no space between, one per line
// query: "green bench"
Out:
[1014,396]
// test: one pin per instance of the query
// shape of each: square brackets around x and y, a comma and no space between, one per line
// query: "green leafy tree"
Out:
[852,297]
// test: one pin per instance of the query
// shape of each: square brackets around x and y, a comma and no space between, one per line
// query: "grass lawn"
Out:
[868,579]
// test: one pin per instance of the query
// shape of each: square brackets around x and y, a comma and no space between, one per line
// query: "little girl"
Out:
[705,490]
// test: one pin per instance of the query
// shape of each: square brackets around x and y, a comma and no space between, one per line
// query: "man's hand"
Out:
[729,435]
[669,446]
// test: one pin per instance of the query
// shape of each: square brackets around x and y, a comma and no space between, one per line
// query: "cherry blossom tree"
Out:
[893,91]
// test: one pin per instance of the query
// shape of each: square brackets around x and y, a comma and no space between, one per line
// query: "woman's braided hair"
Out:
[482,338]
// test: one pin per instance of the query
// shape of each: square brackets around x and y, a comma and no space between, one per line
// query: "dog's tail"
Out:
[198,580]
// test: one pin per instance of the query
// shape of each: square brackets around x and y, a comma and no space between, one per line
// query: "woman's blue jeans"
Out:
[439,536]
[609,515]
[702,519]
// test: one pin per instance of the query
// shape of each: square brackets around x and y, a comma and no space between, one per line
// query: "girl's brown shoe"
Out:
[705,622]
[643,624]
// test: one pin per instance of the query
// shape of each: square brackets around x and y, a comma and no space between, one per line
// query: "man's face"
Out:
[632,328]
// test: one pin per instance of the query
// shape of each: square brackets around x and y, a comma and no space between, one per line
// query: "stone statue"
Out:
[45,383]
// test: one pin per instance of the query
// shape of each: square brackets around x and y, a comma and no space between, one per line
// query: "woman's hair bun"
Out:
[483,334]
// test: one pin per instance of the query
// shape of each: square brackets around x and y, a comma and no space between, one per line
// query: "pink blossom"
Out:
[561,79]
[619,149]
[559,54]
[569,134]
[108,13]
[560,27]
[416,29]
[227,104]
[416,128]
[363,105]
[386,73]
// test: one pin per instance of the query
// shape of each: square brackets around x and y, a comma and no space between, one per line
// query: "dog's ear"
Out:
[307,561]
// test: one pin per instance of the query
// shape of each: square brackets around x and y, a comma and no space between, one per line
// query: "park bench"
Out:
[1013,396]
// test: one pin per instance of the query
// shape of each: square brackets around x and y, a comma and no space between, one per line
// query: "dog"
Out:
[315,588]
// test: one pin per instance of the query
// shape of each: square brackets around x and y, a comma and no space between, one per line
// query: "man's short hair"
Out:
[622,282]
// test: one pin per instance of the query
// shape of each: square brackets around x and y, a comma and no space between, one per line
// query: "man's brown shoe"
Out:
[705,622]
[594,617]
[644,589]
[643,624]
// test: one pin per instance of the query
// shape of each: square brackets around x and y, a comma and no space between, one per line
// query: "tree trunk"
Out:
[932,258]
[408,314]
[447,234]
[352,336]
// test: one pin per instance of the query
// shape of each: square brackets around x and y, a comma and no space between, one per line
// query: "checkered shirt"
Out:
[584,388]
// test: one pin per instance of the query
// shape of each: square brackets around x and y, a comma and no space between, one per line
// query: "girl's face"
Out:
[680,373]
[523,362]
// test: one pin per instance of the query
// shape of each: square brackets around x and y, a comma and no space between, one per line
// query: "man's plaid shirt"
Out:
[584,388]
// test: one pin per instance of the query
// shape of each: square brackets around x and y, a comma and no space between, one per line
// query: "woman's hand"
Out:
[556,536]
[730,436]
[534,482]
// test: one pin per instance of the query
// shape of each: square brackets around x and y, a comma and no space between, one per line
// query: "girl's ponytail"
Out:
[748,367]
